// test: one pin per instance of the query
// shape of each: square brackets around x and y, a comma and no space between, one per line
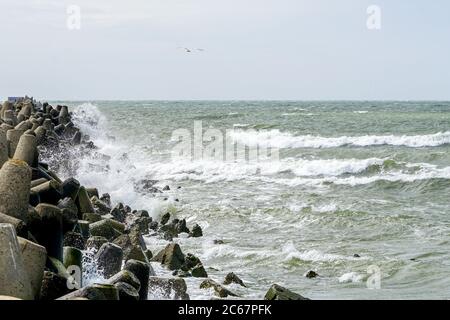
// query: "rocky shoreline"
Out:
[48,224]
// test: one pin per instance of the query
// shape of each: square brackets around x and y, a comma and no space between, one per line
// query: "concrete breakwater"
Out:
[47,224]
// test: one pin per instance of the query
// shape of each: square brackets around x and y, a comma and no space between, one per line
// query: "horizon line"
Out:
[268,100]
[4,98]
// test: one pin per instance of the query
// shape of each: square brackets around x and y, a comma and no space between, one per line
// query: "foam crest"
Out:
[351,277]
[278,139]
[291,253]
[124,165]
[213,171]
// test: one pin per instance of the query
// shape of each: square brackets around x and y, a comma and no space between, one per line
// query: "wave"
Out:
[423,174]
[214,171]
[430,174]
[361,111]
[350,172]
[90,120]
[291,253]
[113,167]
[126,164]
[263,243]
[241,125]
[351,277]
[278,139]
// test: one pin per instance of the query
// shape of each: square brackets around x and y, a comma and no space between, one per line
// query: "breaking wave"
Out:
[278,139]
[118,172]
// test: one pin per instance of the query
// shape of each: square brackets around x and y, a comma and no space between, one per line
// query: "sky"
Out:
[252,50]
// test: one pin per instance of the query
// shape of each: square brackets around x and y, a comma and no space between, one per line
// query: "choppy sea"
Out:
[359,192]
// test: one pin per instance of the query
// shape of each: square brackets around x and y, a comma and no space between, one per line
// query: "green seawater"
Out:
[365,178]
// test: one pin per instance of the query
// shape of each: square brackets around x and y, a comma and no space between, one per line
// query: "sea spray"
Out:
[92,273]
[113,166]
[391,211]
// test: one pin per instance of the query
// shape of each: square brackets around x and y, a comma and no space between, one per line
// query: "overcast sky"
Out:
[254,49]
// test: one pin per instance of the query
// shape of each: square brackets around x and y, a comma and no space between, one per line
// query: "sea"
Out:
[356,191]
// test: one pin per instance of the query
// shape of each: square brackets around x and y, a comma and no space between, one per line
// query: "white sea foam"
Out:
[351,277]
[91,271]
[119,180]
[395,176]
[214,171]
[331,167]
[297,207]
[226,250]
[123,172]
[118,174]
[311,174]
[361,111]
[90,121]
[331,207]
[426,173]
[241,125]
[291,252]
[278,139]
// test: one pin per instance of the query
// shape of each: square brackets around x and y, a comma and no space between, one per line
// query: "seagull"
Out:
[190,50]
[185,49]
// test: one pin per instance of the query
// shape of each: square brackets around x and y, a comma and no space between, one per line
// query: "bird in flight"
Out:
[187,50]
